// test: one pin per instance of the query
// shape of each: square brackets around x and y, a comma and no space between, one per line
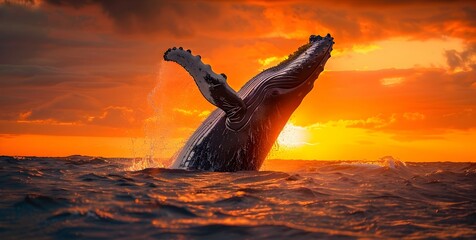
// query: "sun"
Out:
[293,136]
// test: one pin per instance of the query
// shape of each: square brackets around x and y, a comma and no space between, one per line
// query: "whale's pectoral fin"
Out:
[212,86]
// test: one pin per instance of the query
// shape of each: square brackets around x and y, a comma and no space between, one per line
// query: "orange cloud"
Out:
[93,68]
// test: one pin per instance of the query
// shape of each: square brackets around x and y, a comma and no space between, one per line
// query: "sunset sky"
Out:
[87,77]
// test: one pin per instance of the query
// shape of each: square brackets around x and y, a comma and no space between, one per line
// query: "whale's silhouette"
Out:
[240,133]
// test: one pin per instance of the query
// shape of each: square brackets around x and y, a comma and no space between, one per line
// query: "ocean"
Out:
[82,197]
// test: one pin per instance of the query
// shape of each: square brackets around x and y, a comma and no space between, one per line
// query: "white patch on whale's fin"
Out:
[212,86]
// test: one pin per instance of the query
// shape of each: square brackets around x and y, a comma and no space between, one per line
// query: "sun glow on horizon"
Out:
[293,136]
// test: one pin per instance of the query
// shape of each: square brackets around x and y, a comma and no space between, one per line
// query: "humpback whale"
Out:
[242,130]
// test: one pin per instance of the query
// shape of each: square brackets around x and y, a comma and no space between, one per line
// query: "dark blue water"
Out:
[97,198]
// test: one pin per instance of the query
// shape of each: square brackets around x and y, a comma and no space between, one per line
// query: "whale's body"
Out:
[239,134]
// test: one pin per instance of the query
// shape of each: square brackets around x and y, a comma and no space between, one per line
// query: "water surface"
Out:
[98,198]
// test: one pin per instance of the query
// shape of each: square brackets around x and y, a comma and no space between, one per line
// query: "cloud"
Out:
[350,21]
[391,81]
[462,60]
[365,48]
[369,123]
[26,70]
[270,61]
[413,116]
[428,99]
[114,116]
[80,60]
[50,57]
[81,109]
[196,113]
[20,28]
[66,108]
[31,75]
[182,19]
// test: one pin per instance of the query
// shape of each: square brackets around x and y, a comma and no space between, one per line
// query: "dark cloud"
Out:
[364,23]
[462,60]
[35,34]
[390,3]
[20,29]
[27,70]
[49,58]
[44,76]
[349,21]
[182,19]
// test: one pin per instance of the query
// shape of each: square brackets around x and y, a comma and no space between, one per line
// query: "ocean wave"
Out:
[41,202]
[52,198]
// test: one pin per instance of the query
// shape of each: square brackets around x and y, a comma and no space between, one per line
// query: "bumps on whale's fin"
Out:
[314,38]
[212,86]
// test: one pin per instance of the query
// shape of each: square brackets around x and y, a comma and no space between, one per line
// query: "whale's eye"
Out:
[275,93]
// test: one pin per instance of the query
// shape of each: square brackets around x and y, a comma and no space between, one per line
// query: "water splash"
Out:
[174,95]
[388,162]
[273,154]
[391,162]
[154,141]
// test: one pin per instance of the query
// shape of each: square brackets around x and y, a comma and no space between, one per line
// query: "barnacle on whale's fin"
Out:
[212,86]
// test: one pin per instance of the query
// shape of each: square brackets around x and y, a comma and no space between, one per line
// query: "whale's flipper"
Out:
[212,86]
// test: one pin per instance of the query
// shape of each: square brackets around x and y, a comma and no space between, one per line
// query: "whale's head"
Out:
[297,73]
[279,90]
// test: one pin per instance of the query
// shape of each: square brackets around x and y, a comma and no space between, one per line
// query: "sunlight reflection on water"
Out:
[84,197]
